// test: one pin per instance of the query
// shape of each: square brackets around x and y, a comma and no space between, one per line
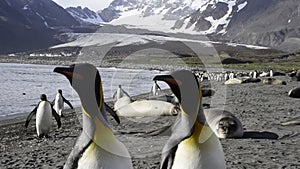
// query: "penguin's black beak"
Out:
[68,72]
[172,82]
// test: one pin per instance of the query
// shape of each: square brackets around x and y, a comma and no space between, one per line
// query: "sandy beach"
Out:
[261,109]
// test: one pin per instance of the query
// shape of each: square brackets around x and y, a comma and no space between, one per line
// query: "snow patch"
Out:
[100,39]
[86,17]
[241,6]
[26,7]
[247,46]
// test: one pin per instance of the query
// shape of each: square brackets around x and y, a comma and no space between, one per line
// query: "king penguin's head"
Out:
[85,79]
[185,86]
[43,97]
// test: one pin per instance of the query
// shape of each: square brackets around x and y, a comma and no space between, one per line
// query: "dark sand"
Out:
[261,109]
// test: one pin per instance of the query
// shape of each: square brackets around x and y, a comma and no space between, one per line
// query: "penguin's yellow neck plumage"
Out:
[104,138]
[200,134]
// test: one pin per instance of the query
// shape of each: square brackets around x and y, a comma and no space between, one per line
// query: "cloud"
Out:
[91,4]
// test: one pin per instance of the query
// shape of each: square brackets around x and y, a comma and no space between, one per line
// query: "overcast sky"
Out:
[91,4]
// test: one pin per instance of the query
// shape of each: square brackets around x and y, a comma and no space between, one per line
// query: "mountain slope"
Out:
[85,15]
[275,23]
[31,24]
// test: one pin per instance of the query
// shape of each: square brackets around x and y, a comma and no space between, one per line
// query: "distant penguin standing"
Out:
[155,88]
[121,97]
[254,74]
[59,103]
[44,112]
[271,73]
[226,76]
[120,93]
[231,75]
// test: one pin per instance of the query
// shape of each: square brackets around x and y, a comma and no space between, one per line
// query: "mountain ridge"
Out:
[270,23]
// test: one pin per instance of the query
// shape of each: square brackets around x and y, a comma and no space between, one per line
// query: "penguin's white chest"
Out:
[187,157]
[194,155]
[43,118]
[58,104]
[97,158]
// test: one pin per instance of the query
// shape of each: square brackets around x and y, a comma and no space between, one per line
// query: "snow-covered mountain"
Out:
[169,9]
[274,23]
[85,15]
[212,13]
[211,16]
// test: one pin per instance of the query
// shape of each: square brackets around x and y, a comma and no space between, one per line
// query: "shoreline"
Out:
[65,61]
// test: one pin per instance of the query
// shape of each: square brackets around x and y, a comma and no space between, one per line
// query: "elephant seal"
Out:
[233,81]
[295,93]
[272,81]
[224,123]
[142,108]
[251,80]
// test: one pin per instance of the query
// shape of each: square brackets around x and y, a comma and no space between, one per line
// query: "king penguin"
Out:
[192,144]
[96,147]
[155,89]
[44,112]
[59,101]
[119,93]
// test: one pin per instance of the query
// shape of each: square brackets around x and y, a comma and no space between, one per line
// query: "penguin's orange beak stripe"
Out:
[68,72]
[73,75]
[173,82]
[168,79]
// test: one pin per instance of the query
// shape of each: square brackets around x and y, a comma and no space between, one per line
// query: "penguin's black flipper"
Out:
[31,114]
[112,113]
[68,103]
[181,130]
[168,158]
[57,118]
[52,103]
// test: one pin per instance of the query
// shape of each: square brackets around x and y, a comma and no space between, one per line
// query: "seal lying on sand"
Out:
[251,80]
[224,123]
[242,80]
[274,81]
[295,93]
[141,108]
[233,81]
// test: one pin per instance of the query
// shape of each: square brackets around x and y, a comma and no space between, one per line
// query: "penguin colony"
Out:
[194,141]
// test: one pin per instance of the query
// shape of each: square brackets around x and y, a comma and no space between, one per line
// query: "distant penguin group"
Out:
[44,112]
